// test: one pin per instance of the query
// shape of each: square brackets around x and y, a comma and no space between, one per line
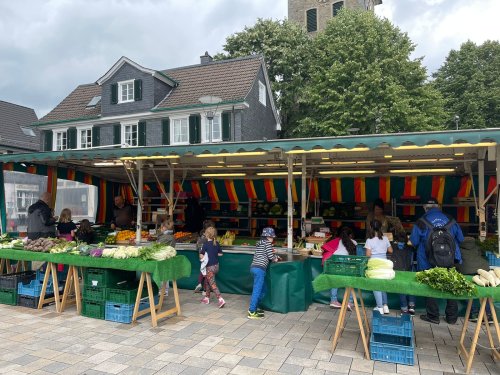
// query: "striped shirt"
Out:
[263,254]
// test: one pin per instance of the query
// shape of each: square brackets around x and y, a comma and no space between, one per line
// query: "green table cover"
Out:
[170,269]
[403,283]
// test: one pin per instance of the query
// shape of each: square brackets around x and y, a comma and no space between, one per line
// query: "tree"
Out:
[286,50]
[362,77]
[469,81]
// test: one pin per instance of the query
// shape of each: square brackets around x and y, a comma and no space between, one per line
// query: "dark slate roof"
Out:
[12,118]
[230,80]
[74,106]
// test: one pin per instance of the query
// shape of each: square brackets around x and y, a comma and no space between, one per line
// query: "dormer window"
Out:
[126,91]
[28,131]
[60,140]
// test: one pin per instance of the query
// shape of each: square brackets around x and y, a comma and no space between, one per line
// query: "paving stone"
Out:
[172,369]
[55,367]
[110,367]
[250,362]
[362,365]
[291,369]
[244,370]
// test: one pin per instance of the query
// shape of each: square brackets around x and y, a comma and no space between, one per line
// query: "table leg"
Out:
[496,352]
[135,315]
[340,320]
[162,296]
[469,355]
[78,295]
[44,286]
[2,265]
[67,288]
[176,297]
[360,294]
[56,286]
[152,306]
[361,324]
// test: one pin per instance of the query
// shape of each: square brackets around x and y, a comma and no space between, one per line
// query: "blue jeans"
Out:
[259,287]
[333,296]
[406,300]
[380,298]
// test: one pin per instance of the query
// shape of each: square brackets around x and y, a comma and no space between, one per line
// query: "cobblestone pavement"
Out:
[209,340]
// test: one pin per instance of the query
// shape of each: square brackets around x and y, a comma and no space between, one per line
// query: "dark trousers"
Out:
[451,310]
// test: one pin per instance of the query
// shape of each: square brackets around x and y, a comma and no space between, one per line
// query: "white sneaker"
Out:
[379,309]
[386,309]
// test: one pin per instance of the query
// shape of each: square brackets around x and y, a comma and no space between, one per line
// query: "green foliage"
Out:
[447,280]
[287,52]
[362,76]
[469,81]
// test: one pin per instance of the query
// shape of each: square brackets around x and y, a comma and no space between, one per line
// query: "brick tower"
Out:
[314,14]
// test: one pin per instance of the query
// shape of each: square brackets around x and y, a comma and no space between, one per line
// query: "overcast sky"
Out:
[48,47]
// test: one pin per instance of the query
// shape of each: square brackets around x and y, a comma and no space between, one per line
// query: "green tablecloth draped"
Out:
[170,269]
[403,283]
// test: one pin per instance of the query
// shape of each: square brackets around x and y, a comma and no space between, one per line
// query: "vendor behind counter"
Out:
[123,214]
[390,224]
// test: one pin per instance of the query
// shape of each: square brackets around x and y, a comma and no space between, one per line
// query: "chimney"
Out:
[206,58]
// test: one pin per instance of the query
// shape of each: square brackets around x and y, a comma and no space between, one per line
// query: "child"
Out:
[377,246]
[263,255]
[167,233]
[214,251]
[66,228]
[199,244]
[402,257]
[85,233]
[346,246]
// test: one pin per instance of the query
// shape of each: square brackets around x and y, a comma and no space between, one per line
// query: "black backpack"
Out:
[441,245]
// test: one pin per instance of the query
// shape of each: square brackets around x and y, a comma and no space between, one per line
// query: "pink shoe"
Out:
[221,302]
[349,307]
[335,305]
[205,301]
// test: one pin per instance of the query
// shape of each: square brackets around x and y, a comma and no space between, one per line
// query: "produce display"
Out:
[110,239]
[41,244]
[227,239]
[446,280]
[178,235]
[487,278]
[157,251]
[127,235]
[380,269]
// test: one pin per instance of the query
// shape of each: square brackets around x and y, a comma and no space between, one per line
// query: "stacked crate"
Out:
[493,260]
[28,294]
[8,285]
[120,302]
[96,283]
[392,339]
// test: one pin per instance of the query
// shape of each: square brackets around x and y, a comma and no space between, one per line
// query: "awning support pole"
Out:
[303,197]
[140,189]
[497,160]
[160,187]
[481,210]
[290,205]
[171,193]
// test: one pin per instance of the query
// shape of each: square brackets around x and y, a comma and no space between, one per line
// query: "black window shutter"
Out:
[165,131]
[194,129]
[337,7]
[47,140]
[96,136]
[117,137]
[114,93]
[71,134]
[138,89]
[312,20]
[226,126]
[141,128]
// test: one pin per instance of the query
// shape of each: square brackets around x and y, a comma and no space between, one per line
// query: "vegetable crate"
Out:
[392,325]
[8,296]
[126,293]
[391,348]
[94,293]
[34,288]
[122,312]
[31,301]
[11,280]
[348,265]
[94,309]
[492,259]
[106,277]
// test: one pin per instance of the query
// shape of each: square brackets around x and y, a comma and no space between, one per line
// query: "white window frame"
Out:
[205,136]
[173,121]
[55,132]
[262,94]
[79,137]
[120,85]
[123,136]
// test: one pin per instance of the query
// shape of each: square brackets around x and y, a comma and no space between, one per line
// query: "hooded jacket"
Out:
[472,259]
[41,223]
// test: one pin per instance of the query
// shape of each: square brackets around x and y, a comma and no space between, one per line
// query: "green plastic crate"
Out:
[347,265]
[8,296]
[106,277]
[94,309]
[94,293]
[127,293]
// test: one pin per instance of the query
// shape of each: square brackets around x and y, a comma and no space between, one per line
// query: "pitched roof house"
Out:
[16,132]
[214,101]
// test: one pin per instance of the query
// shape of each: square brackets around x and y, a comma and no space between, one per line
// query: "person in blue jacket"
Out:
[418,238]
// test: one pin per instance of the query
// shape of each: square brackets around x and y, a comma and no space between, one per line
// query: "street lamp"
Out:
[457,120]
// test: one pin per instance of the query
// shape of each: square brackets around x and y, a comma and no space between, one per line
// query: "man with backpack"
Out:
[437,237]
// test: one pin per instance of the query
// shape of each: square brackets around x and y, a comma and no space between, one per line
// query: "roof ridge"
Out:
[217,62]
[18,105]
